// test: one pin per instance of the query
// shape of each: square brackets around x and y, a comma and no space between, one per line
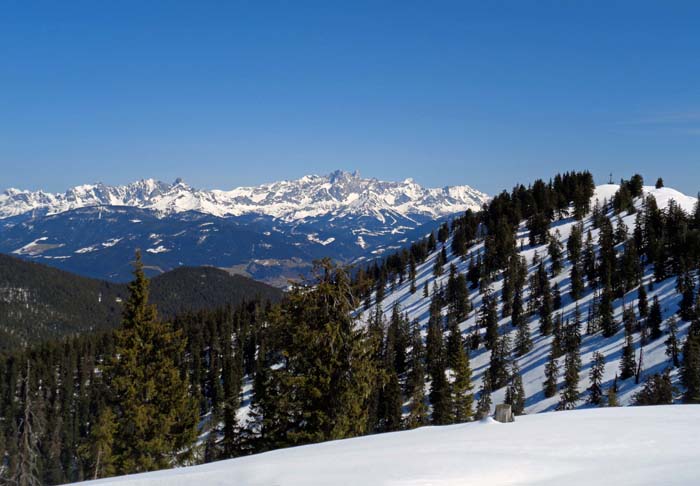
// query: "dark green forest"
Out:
[39,303]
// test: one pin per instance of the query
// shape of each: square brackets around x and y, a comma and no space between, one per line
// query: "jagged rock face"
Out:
[272,231]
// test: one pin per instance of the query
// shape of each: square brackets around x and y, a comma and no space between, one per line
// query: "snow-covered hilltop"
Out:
[631,446]
[337,194]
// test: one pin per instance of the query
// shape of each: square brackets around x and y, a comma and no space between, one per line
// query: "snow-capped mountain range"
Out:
[271,232]
[340,194]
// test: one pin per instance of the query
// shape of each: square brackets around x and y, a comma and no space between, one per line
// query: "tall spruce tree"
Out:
[323,389]
[156,416]
[628,363]
[418,410]
[551,373]
[690,366]
[569,395]
[515,392]
[596,376]
[655,319]
[672,342]
[462,396]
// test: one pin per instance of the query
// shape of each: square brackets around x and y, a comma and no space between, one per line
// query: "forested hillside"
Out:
[564,295]
[38,302]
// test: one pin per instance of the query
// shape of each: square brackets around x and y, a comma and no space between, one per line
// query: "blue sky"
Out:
[236,93]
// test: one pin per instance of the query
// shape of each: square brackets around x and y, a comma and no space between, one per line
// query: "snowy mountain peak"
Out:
[340,193]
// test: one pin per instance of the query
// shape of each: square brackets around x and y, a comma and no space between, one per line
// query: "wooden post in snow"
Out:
[503,413]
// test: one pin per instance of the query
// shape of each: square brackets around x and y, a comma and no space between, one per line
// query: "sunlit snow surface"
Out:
[623,446]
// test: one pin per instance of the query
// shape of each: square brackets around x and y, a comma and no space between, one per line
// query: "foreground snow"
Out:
[620,446]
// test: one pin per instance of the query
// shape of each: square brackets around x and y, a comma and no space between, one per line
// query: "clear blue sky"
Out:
[235,93]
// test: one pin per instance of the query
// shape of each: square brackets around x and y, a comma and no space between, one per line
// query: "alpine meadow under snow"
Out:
[643,446]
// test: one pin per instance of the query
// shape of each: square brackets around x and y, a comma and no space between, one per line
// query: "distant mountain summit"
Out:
[339,193]
[271,232]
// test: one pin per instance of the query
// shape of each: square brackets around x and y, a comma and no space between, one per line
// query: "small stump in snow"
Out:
[504,413]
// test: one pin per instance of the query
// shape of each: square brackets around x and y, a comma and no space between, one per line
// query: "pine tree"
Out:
[628,363]
[155,415]
[596,375]
[642,304]
[462,396]
[483,408]
[612,395]
[498,371]
[569,395]
[488,318]
[672,344]
[441,399]
[655,320]
[515,392]
[690,367]
[545,311]
[28,455]
[605,312]
[97,452]
[576,282]
[523,341]
[657,390]
[418,411]
[555,253]
[551,373]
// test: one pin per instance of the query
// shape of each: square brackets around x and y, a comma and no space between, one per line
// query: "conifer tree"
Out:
[690,366]
[596,376]
[551,373]
[672,344]
[156,416]
[545,311]
[555,253]
[605,313]
[28,456]
[589,260]
[498,371]
[556,297]
[523,341]
[612,395]
[324,386]
[574,244]
[97,452]
[642,303]
[657,390]
[418,411]
[515,392]
[441,399]
[628,363]
[488,318]
[576,282]
[462,396]
[655,319]
[569,395]
[483,408]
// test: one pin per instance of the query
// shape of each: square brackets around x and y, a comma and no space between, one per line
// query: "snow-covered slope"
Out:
[340,193]
[622,447]
[532,364]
